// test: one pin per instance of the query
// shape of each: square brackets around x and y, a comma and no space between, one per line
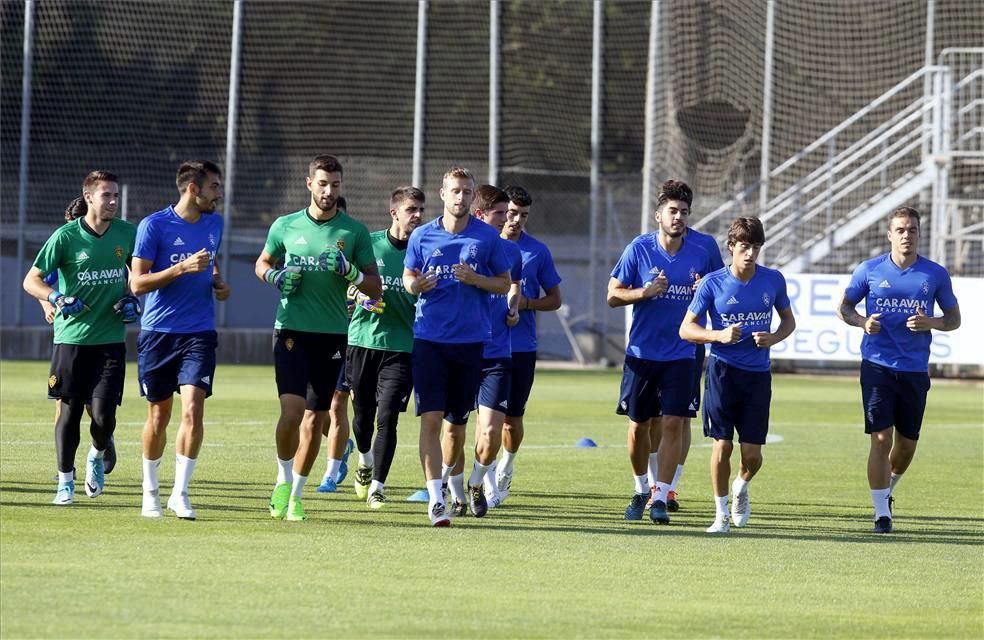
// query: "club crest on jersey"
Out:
[925,287]
[693,274]
[289,343]
[52,381]
[119,252]
[211,239]
[766,299]
[473,251]
[340,244]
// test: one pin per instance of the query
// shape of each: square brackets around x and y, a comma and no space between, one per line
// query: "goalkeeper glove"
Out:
[334,260]
[128,308]
[369,304]
[288,280]
[67,305]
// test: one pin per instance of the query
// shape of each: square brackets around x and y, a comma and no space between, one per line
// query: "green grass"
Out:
[556,560]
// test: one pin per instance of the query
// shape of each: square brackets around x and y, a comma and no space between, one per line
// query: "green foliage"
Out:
[556,560]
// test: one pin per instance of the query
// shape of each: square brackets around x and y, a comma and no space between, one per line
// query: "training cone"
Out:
[585,442]
[418,496]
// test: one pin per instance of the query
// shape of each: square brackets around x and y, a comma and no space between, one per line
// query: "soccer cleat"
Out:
[279,500]
[671,502]
[720,524]
[327,485]
[181,506]
[376,500]
[438,515]
[741,509]
[883,525]
[363,478]
[95,478]
[652,494]
[65,494]
[295,510]
[458,509]
[151,507]
[476,501]
[503,481]
[343,468]
[109,456]
[657,513]
[637,506]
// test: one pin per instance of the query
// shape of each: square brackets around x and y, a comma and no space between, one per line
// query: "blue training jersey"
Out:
[453,312]
[499,344]
[186,305]
[655,331]
[896,294]
[708,244]
[538,273]
[730,301]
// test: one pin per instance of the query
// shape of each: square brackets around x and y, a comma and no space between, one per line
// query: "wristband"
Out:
[53,296]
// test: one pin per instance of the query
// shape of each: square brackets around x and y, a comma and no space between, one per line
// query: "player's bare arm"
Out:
[219,286]
[372,284]
[692,331]
[142,280]
[549,302]
[515,295]
[417,283]
[949,321]
[849,314]
[787,324]
[499,283]
[35,285]
[620,295]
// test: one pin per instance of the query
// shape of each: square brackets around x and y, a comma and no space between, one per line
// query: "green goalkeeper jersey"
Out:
[318,305]
[391,330]
[93,268]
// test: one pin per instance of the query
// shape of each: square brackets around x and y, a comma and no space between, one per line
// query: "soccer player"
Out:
[656,274]
[88,361]
[740,300]
[323,250]
[174,264]
[900,290]
[538,273]
[452,263]
[380,339]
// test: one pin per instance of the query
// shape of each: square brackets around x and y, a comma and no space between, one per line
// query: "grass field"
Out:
[556,560]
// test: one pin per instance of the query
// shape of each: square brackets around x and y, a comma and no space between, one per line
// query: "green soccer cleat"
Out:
[295,511]
[363,478]
[279,500]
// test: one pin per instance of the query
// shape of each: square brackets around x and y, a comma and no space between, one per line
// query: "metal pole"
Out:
[25,148]
[418,100]
[232,128]
[494,92]
[125,201]
[928,61]
[595,163]
[770,34]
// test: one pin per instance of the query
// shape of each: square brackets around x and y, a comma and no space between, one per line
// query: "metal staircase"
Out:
[923,138]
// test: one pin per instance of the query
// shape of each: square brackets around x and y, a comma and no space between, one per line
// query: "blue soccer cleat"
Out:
[327,486]
[636,507]
[95,478]
[883,525]
[343,468]
[65,494]
[658,514]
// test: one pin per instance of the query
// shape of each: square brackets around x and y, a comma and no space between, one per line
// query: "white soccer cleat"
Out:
[181,506]
[151,505]
[741,509]
[502,483]
[438,515]
[720,524]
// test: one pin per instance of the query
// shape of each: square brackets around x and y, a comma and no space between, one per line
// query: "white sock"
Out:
[366,460]
[298,486]
[661,490]
[66,477]
[375,486]
[722,505]
[96,453]
[150,482]
[739,485]
[493,469]
[642,483]
[478,472]
[434,493]
[676,477]
[457,485]
[653,470]
[879,498]
[894,481]
[508,460]
[445,472]
[183,468]
[333,467]
[285,471]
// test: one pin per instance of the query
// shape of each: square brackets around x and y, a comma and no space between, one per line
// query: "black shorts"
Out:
[379,378]
[700,353]
[523,370]
[167,361]
[87,371]
[307,364]
[893,398]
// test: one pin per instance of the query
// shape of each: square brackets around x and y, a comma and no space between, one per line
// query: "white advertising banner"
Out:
[820,334]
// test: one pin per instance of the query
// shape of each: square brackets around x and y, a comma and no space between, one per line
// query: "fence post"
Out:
[418,99]
[232,132]
[25,150]
[596,61]
[494,92]
[770,36]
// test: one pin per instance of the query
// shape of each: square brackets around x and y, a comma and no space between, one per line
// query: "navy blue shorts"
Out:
[342,384]
[699,355]
[446,378]
[520,382]
[893,398]
[167,361]
[736,399]
[308,364]
[493,393]
[651,388]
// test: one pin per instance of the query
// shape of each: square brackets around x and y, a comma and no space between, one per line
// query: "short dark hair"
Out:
[98,176]
[487,196]
[748,230]
[674,190]
[404,193]
[325,162]
[76,209]
[903,212]
[518,196]
[196,171]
